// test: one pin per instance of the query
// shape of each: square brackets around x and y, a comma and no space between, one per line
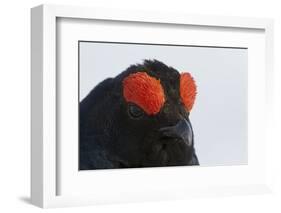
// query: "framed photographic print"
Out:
[133,105]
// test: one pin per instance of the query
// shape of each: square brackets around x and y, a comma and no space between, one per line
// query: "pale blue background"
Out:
[219,116]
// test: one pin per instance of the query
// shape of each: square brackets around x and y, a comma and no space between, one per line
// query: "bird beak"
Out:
[182,130]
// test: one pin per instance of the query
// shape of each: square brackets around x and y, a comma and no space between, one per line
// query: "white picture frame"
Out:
[45,168]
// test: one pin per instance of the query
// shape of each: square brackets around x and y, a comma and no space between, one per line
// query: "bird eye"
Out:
[135,111]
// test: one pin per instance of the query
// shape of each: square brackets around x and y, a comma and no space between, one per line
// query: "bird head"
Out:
[142,116]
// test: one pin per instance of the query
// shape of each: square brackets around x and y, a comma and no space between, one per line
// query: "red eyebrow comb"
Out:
[188,90]
[145,91]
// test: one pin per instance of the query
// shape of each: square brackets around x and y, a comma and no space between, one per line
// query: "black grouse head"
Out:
[140,118]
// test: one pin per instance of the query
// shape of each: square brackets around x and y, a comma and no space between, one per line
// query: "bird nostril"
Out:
[182,130]
[169,132]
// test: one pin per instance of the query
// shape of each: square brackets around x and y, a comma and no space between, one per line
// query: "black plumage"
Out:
[117,134]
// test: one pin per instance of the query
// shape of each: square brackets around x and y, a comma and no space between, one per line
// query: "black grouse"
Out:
[140,118]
